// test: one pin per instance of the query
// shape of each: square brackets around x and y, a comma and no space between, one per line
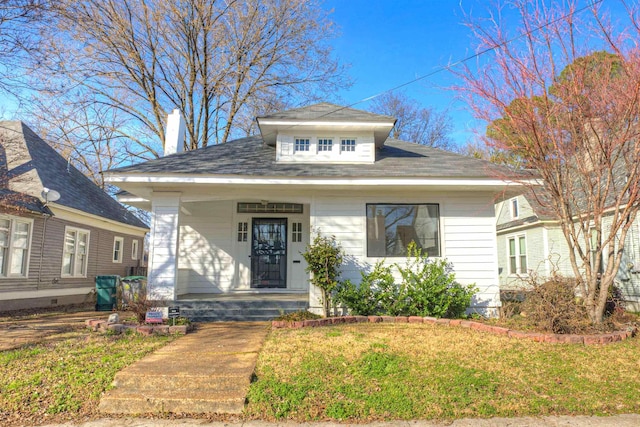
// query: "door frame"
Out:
[283,262]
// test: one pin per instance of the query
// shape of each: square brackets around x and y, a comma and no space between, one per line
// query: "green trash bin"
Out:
[106,291]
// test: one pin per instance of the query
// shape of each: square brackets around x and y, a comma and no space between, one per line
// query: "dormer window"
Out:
[302,144]
[325,144]
[347,145]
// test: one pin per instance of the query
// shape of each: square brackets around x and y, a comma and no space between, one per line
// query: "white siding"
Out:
[206,262]
[364,149]
[503,210]
[162,257]
[467,225]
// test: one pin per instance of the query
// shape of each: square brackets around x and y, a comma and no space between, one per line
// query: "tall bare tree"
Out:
[415,123]
[571,113]
[19,23]
[213,59]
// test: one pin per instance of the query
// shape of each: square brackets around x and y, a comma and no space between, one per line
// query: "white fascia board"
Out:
[325,123]
[81,217]
[445,182]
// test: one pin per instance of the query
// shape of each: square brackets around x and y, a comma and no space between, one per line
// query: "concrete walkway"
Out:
[207,371]
[631,420]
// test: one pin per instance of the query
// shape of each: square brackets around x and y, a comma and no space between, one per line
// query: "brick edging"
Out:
[118,328]
[497,330]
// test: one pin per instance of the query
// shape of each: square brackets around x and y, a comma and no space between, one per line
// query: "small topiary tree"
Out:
[324,258]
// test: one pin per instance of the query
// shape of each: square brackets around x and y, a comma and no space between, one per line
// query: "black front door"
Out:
[269,253]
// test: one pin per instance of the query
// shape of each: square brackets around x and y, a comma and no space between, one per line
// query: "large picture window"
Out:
[75,252]
[14,246]
[391,227]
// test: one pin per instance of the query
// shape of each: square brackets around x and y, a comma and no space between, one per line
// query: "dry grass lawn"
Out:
[405,371]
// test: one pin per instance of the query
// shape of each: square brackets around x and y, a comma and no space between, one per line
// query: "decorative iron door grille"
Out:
[269,253]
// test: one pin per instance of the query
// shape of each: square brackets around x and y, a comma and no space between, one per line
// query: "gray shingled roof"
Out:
[22,202]
[250,157]
[76,190]
[327,112]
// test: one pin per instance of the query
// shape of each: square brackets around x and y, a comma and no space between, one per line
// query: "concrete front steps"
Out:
[241,307]
[208,371]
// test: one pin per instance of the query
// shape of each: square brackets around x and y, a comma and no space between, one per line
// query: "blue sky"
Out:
[390,42]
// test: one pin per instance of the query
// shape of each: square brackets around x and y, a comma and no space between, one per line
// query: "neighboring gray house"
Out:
[233,219]
[52,249]
[530,239]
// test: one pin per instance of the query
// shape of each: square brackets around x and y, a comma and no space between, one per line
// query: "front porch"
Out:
[240,306]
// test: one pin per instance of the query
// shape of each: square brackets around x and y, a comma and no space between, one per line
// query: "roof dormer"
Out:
[325,118]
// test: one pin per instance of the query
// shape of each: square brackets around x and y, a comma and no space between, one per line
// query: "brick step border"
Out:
[497,330]
[119,328]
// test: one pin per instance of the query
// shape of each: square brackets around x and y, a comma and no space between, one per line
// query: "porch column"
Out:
[164,246]
[315,294]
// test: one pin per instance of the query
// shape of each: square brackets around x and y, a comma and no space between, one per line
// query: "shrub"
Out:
[324,257]
[427,288]
[376,294]
[552,306]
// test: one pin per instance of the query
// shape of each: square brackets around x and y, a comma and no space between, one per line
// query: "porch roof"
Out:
[250,157]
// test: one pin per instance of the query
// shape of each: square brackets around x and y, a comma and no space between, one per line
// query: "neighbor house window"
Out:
[325,144]
[296,232]
[134,249]
[15,236]
[118,245]
[514,208]
[391,228]
[302,144]
[348,145]
[75,252]
[517,255]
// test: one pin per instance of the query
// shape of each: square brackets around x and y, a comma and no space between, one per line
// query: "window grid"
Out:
[325,144]
[517,255]
[242,231]
[118,243]
[14,247]
[293,208]
[302,144]
[134,249]
[296,232]
[347,145]
[75,252]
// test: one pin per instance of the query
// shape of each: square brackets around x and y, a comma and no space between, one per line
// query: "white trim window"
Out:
[517,246]
[75,252]
[514,208]
[347,145]
[392,227]
[325,144]
[15,241]
[302,145]
[135,247]
[118,249]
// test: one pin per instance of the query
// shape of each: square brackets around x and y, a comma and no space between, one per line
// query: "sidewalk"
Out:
[631,420]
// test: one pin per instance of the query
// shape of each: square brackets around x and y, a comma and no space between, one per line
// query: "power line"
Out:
[468,58]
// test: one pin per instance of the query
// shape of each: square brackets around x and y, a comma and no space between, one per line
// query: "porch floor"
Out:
[281,296]
[244,307]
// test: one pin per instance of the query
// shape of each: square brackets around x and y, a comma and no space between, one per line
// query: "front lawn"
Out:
[406,371]
[63,379]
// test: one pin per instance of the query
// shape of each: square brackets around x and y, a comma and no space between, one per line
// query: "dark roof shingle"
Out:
[250,157]
[76,190]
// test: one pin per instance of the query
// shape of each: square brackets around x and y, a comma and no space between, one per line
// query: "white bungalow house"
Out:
[233,219]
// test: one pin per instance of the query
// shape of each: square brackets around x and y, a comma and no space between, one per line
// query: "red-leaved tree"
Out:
[561,93]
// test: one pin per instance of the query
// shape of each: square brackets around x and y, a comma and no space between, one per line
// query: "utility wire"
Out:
[468,58]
